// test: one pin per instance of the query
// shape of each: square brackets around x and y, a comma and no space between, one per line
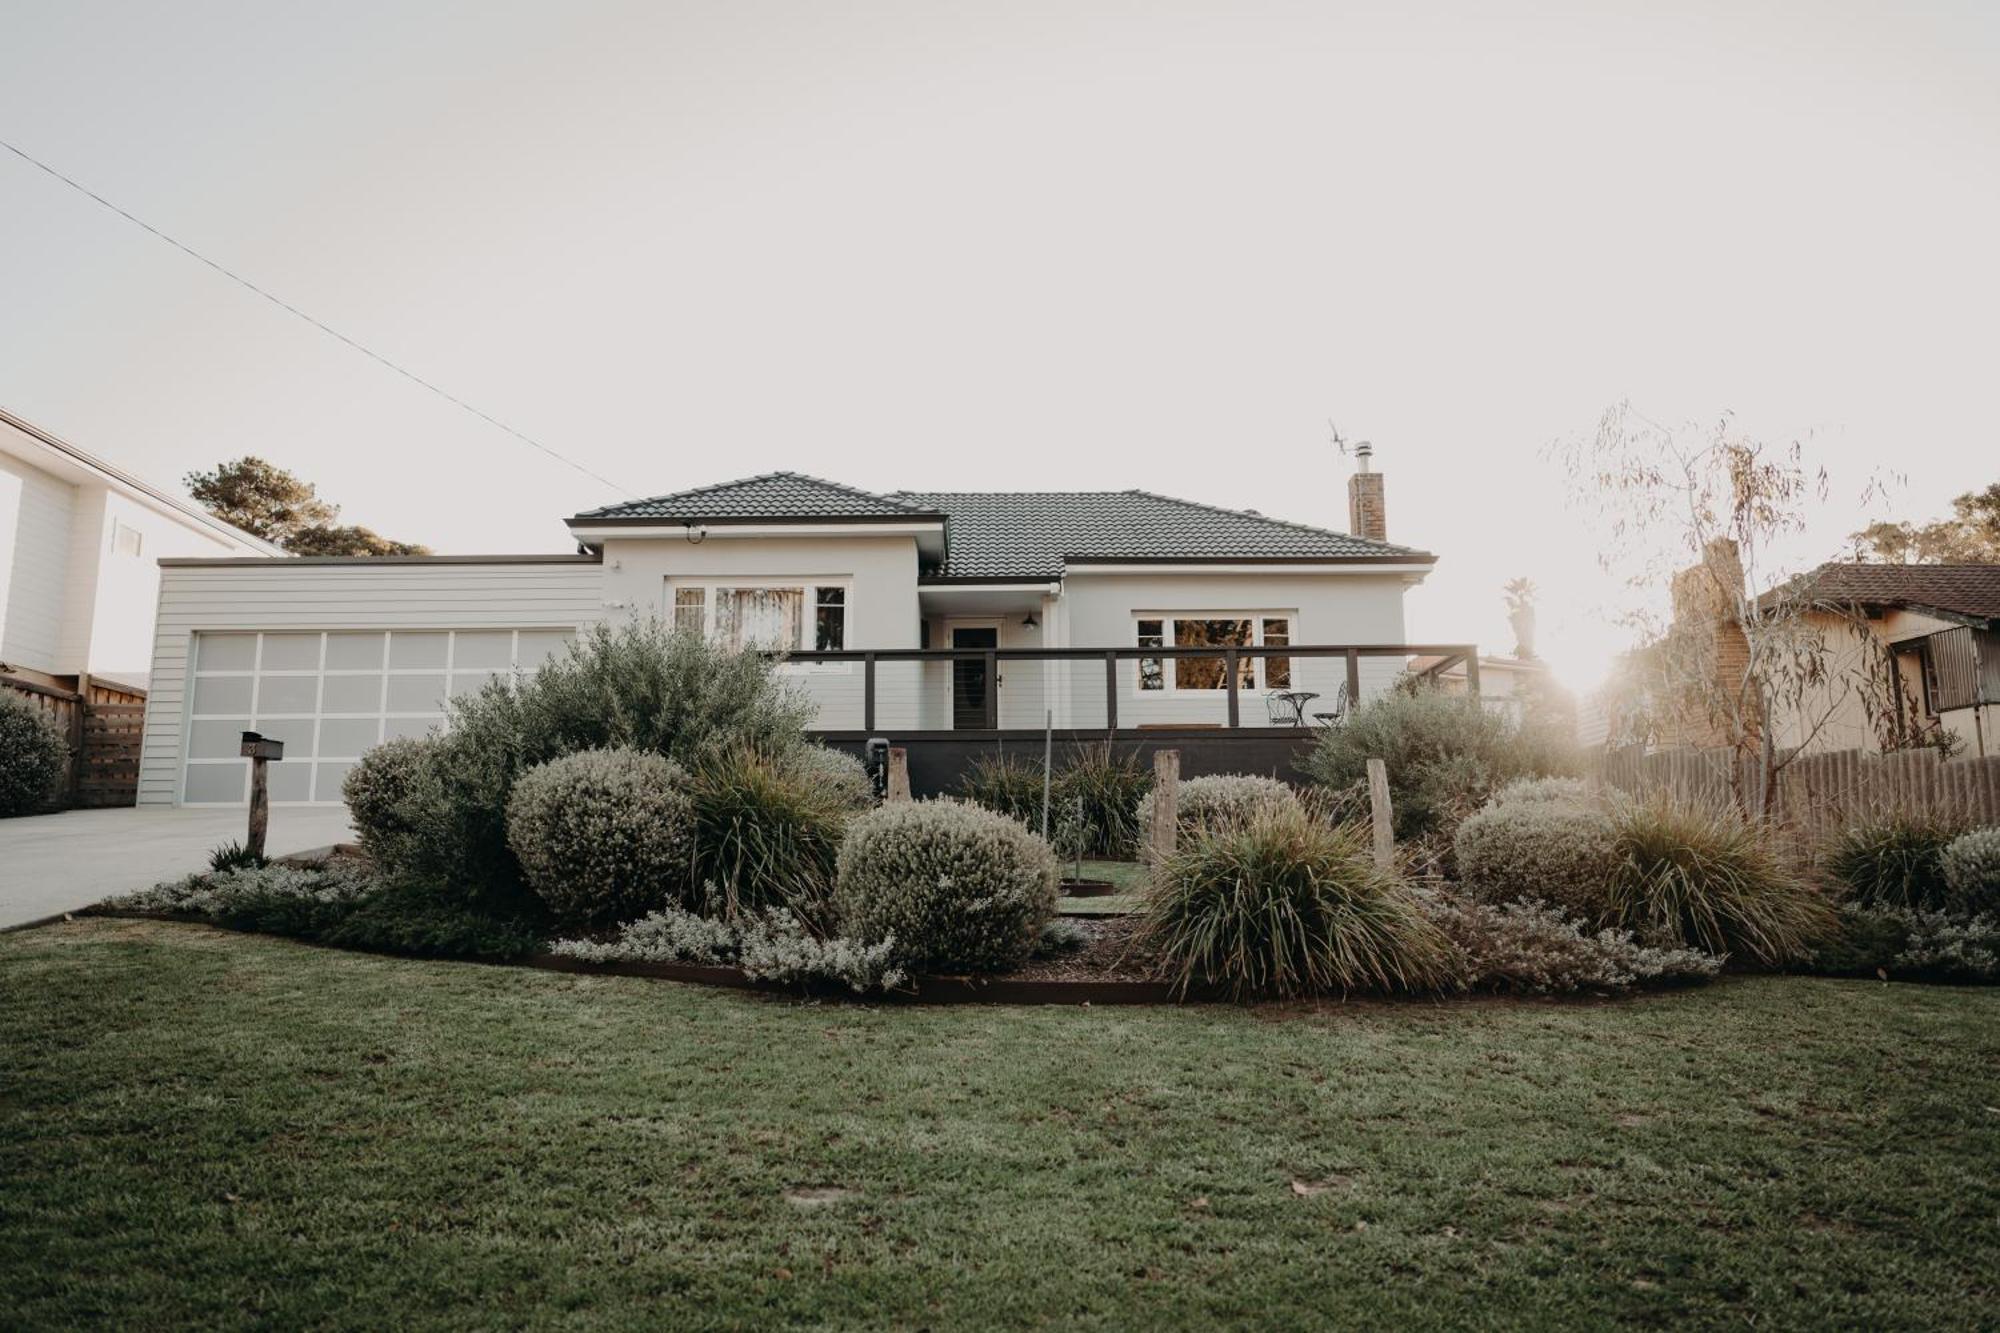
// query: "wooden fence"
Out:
[103,725]
[1817,792]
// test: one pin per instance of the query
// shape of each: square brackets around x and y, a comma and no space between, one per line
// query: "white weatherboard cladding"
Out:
[1101,609]
[431,611]
[37,512]
[878,572]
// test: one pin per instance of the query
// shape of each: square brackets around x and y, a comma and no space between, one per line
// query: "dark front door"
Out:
[968,678]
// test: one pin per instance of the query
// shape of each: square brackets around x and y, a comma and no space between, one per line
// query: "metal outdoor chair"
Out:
[1336,715]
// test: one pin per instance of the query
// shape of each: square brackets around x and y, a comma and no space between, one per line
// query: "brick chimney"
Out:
[1367,512]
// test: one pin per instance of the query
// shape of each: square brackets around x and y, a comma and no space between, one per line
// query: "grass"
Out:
[202,1128]
[1128,876]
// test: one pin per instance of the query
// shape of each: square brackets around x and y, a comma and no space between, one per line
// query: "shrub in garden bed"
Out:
[1098,790]
[603,835]
[765,835]
[1219,801]
[1709,879]
[1972,872]
[772,946]
[1445,754]
[1892,860]
[436,809]
[1539,844]
[844,777]
[32,754]
[957,887]
[1905,944]
[343,905]
[1533,948]
[1283,903]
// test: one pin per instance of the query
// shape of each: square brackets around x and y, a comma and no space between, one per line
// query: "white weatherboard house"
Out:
[333,655]
[80,545]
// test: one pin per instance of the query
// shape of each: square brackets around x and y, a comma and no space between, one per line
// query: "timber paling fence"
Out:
[1816,793]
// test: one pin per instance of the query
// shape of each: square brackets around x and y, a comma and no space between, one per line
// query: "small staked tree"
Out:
[264,499]
[1749,642]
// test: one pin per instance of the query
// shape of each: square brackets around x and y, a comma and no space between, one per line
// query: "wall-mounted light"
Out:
[1029,622]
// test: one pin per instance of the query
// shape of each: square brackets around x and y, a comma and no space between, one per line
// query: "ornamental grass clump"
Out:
[1105,790]
[1706,878]
[32,754]
[959,888]
[1284,903]
[1972,872]
[1219,801]
[1893,859]
[765,835]
[1544,844]
[603,835]
[1007,785]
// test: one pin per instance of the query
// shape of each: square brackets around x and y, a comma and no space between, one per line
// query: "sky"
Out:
[1083,245]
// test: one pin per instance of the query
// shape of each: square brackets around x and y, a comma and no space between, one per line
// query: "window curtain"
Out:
[764,618]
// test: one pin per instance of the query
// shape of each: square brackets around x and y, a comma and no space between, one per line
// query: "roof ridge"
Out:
[738,482]
[1266,518]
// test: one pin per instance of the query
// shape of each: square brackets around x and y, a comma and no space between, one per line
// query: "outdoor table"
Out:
[1297,701]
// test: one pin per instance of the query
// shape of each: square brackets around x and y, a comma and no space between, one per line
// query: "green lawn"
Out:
[199,1128]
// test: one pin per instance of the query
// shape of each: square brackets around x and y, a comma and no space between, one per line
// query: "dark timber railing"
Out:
[1232,659]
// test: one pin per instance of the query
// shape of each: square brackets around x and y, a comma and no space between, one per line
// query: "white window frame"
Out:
[1170,665]
[381,713]
[808,585]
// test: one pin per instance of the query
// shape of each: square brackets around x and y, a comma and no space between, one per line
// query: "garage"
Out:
[330,695]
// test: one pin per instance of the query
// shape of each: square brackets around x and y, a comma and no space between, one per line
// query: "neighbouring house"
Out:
[80,542]
[1914,656]
[1508,685]
[921,617]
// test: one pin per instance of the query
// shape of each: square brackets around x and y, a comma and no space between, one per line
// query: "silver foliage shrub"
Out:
[1950,948]
[837,771]
[1550,849]
[1532,947]
[1219,801]
[32,754]
[772,946]
[1572,790]
[396,799]
[602,835]
[1972,871]
[960,888]
[217,894]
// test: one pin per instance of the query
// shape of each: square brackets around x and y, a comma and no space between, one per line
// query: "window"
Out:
[773,617]
[1277,670]
[691,609]
[1201,672]
[1152,670]
[830,620]
[126,540]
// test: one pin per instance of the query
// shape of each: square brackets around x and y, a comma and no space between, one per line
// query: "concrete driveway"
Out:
[51,864]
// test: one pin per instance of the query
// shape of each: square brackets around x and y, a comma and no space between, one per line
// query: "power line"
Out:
[288,307]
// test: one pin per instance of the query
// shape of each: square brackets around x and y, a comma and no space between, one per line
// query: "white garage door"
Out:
[328,697]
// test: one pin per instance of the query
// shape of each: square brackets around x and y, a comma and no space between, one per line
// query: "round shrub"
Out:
[32,754]
[1220,801]
[602,835]
[959,888]
[1283,903]
[1574,791]
[1523,848]
[765,835]
[1709,879]
[394,799]
[1972,872]
[844,777]
[1892,860]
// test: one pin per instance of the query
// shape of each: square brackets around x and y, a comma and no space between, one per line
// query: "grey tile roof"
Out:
[1034,534]
[774,495]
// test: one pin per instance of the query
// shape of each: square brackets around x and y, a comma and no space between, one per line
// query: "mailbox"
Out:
[258,746]
[877,764]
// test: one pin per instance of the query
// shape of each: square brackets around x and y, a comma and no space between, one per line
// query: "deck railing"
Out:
[1098,689]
